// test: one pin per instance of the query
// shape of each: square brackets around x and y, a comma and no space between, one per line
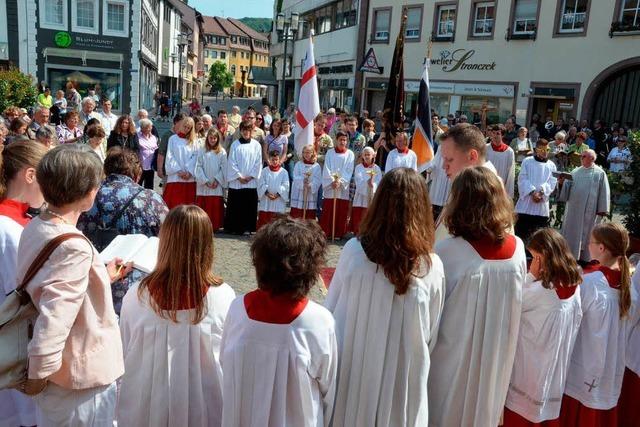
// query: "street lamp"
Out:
[287,29]
[183,40]
[174,57]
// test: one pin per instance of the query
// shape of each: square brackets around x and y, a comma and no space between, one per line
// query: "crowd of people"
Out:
[453,303]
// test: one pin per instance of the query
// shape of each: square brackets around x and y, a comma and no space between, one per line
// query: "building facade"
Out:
[216,48]
[170,24]
[559,59]
[258,58]
[239,57]
[339,29]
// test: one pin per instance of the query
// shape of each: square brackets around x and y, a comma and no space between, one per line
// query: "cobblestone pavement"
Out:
[233,263]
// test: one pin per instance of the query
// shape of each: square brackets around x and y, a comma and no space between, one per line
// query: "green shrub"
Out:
[16,89]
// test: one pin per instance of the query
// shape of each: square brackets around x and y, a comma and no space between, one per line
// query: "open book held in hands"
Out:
[565,175]
[136,248]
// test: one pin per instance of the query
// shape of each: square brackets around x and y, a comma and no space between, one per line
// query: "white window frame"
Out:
[96,18]
[574,15]
[417,29]
[442,8]
[636,20]
[105,28]
[53,26]
[476,8]
[526,21]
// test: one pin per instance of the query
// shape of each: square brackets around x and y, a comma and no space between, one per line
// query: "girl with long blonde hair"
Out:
[171,329]
[180,165]
[210,176]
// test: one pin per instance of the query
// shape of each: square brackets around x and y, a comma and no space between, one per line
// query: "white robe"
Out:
[395,159]
[210,167]
[274,183]
[586,195]
[180,157]
[16,409]
[505,164]
[278,375]
[384,341]
[300,171]
[473,356]
[633,329]
[598,359]
[548,329]
[244,160]
[535,176]
[363,191]
[172,374]
[342,166]
[440,183]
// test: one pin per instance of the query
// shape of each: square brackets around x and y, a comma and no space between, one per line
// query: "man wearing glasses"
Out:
[535,185]
[588,199]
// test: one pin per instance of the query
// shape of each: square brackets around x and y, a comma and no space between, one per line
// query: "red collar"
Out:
[182,135]
[614,277]
[274,168]
[279,309]
[15,210]
[404,150]
[340,151]
[565,292]
[495,251]
[499,148]
[307,162]
[368,165]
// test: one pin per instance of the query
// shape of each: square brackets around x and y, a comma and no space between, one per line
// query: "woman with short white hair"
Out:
[148,144]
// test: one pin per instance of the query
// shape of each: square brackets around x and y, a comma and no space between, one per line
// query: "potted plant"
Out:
[632,211]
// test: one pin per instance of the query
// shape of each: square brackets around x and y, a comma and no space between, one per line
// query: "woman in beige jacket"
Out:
[75,355]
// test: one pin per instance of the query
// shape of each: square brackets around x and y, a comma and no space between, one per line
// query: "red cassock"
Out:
[512,419]
[629,402]
[265,218]
[357,214]
[326,220]
[214,207]
[179,193]
[575,414]
[299,213]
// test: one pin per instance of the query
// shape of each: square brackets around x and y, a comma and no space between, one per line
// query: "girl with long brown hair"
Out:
[485,269]
[180,165]
[551,315]
[210,177]
[386,296]
[171,330]
[597,366]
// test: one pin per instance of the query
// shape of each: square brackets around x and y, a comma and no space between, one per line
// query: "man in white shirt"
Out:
[266,116]
[535,185]
[620,157]
[107,118]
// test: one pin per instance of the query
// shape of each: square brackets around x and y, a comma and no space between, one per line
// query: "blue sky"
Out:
[234,8]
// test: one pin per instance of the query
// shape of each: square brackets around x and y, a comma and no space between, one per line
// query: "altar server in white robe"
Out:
[171,325]
[598,360]
[588,198]
[462,146]
[273,190]
[628,407]
[336,176]
[19,191]
[180,165]
[401,156]
[502,157]
[367,176]
[551,315]
[439,184]
[279,352]
[386,296]
[535,185]
[485,269]
[307,179]
[210,170]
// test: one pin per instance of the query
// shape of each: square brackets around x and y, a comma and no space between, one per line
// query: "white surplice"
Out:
[395,159]
[598,359]
[210,167]
[172,374]
[633,328]
[364,193]
[180,157]
[384,341]
[473,356]
[340,165]
[274,183]
[505,164]
[440,183]
[535,176]
[278,375]
[300,172]
[244,160]
[548,329]
[16,409]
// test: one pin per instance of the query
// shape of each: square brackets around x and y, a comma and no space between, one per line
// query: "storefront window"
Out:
[497,109]
[440,104]
[106,84]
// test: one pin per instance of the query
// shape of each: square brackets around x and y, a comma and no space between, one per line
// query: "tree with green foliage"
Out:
[261,25]
[219,77]
[16,89]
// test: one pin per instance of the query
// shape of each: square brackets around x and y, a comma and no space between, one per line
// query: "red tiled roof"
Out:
[212,26]
[248,30]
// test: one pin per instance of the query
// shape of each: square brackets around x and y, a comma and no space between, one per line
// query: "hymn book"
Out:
[136,248]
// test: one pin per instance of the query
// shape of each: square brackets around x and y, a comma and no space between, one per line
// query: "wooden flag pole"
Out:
[333,221]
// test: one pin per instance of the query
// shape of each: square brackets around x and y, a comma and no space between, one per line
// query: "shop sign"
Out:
[62,39]
[93,42]
[441,87]
[461,59]
[484,90]
[411,86]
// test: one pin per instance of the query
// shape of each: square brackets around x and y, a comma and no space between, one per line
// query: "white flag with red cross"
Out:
[308,102]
